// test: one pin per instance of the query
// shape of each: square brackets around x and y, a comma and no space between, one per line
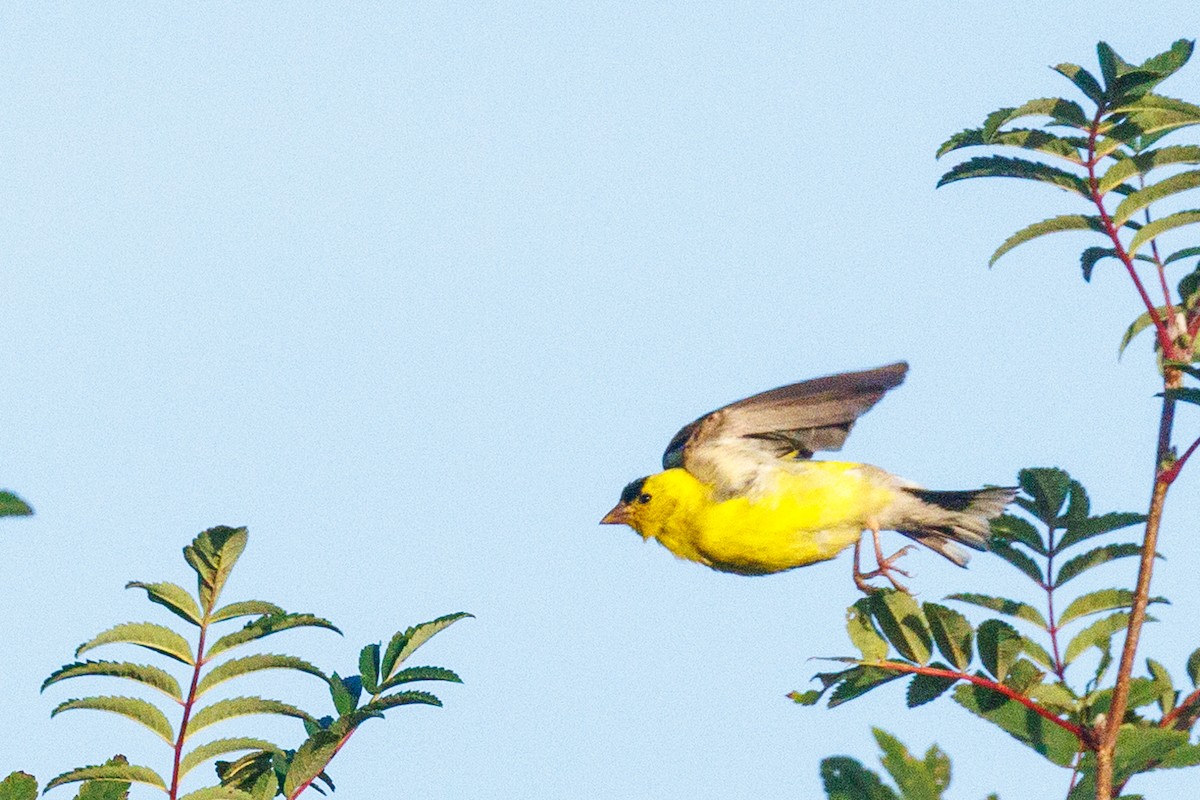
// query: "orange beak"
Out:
[618,516]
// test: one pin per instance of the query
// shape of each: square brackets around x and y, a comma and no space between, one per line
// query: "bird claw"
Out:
[885,569]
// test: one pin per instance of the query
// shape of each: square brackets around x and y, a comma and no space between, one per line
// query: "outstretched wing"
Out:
[723,447]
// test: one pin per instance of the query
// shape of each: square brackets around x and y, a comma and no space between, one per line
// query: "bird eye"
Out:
[643,498]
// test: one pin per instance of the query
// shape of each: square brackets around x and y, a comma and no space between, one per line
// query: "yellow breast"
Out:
[810,512]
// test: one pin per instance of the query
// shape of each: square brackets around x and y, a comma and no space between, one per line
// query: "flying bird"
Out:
[739,491]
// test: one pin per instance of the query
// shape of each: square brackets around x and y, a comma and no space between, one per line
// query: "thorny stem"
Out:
[936,672]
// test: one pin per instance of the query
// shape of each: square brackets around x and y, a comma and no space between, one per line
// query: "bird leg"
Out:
[884,566]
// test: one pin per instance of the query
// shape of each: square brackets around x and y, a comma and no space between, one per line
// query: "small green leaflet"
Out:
[1097,634]
[925,688]
[151,676]
[158,638]
[255,663]
[1046,738]
[19,786]
[212,555]
[1098,601]
[918,779]
[265,626]
[246,608]
[171,596]
[862,632]
[1094,558]
[847,779]
[240,707]
[1142,198]
[952,633]
[1162,225]
[406,643]
[134,708]
[1012,608]
[13,506]
[1005,167]
[220,747]
[901,621]
[110,772]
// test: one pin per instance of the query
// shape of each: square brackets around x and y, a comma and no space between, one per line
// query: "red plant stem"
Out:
[187,710]
[1172,472]
[987,683]
[1059,667]
[1164,338]
[1169,718]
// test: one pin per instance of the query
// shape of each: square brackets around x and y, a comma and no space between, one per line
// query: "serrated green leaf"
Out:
[1164,687]
[1188,395]
[1083,80]
[404,644]
[1142,198]
[1019,560]
[174,597]
[13,506]
[218,793]
[345,692]
[1098,601]
[220,747]
[999,646]
[134,708]
[1054,697]
[925,688]
[847,779]
[1059,224]
[222,710]
[1064,112]
[952,632]
[246,608]
[106,790]
[1006,167]
[1193,667]
[910,774]
[1022,676]
[310,760]
[368,667]
[1189,288]
[1097,634]
[411,674]
[1012,608]
[1094,558]
[1161,225]
[1143,163]
[212,554]
[1015,529]
[1024,725]
[1139,749]
[265,626]
[1092,255]
[158,638]
[1082,529]
[1144,321]
[857,681]
[1048,487]
[151,676]
[18,786]
[241,666]
[131,773]
[255,773]
[901,621]
[863,634]
[1037,653]
[1179,255]
[1111,64]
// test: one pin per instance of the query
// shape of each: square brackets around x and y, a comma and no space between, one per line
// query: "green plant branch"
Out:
[987,683]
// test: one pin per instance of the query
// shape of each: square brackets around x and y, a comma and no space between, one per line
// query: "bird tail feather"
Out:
[948,519]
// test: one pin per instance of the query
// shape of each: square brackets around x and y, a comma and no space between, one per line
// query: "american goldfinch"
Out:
[740,493]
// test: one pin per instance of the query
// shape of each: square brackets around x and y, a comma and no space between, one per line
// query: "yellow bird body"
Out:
[813,511]
[740,493]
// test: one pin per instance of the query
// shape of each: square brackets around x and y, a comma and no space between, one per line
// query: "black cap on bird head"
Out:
[629,495]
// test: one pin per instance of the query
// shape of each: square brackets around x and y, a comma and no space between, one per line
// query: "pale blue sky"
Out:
[413,291]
